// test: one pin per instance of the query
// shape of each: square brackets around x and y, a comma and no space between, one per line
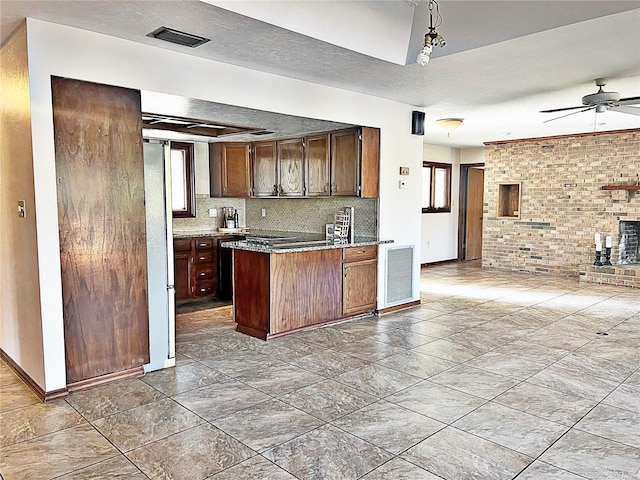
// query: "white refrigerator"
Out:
[160,275]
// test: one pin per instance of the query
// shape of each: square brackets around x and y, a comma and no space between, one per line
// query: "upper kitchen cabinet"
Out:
[355,162]
[317,163]
[290,167]
[229,169]
[264,169]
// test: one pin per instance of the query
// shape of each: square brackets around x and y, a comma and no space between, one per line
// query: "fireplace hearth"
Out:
[629,245]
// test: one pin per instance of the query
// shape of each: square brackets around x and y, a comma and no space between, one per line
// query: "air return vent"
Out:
[177,37]
[399,284]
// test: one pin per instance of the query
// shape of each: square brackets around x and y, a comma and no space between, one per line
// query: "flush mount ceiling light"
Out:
[449,124]
[432,38]
[176,36]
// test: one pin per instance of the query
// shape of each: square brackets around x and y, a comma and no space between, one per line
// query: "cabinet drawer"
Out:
[204,288]
[204,257]
[204,243]
[204,273]
[182,244]
[353,254]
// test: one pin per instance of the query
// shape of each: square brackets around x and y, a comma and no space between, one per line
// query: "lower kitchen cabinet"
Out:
[359,280]
[196,268]
[278,293]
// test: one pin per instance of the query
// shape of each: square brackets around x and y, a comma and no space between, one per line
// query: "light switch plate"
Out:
[402,184]
[22,212]
[263,212]
[213,212]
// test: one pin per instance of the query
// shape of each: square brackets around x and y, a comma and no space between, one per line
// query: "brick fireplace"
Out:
[629,244]
[568,192]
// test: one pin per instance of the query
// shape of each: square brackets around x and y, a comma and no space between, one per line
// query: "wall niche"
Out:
[509,200]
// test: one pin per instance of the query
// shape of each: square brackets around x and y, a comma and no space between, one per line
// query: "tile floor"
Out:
[497,375]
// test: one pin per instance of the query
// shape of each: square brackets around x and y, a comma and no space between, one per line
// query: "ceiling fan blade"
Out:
[560,109]
[625,109]
[629,101]
[572,113]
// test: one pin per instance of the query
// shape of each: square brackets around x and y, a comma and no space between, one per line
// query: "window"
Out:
[436,187]
[182,180]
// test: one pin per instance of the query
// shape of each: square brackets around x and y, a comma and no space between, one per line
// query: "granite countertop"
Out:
[302,243]
[205,233]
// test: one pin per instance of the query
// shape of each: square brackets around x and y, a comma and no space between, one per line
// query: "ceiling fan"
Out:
[601,101]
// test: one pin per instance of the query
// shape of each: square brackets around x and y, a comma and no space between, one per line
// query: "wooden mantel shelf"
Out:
[621,187]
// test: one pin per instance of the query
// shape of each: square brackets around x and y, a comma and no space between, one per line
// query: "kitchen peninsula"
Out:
[301,281]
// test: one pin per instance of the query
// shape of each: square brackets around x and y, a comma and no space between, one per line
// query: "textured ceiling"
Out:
[504,60]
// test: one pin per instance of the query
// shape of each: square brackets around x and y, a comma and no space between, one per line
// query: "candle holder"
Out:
[598,262]
[607,256]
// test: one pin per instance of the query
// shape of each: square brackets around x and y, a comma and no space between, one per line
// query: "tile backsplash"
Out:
[310,214]
[285,214]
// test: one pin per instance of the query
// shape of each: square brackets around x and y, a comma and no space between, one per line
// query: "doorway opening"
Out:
[471,211]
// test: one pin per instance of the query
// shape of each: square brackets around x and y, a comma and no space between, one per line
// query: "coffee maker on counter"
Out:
[230,217]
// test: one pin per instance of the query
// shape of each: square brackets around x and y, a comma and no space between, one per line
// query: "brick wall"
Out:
[562,204]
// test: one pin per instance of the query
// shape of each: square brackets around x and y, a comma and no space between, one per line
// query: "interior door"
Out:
[474,206]
[101,220]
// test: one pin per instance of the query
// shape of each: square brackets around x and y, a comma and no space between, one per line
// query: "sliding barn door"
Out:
[99,167]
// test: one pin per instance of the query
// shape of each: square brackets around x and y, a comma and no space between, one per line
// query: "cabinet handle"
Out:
[326,187]
[203,258]
[202,274]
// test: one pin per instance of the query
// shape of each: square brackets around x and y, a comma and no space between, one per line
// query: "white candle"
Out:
[598,240]
[607,242]
[598,247]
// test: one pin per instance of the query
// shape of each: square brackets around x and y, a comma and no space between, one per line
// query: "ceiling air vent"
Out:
[177,37]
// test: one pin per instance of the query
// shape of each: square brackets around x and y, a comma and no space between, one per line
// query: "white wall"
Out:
[69,52]
[439,231]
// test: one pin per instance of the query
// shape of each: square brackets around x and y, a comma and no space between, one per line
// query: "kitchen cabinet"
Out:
[195,267]
[290,167]
[229,169]
[317,165]
[278,293]
[264,169]
[355,162]
[359,280]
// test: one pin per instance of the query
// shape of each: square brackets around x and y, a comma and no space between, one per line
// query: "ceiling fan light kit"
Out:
[449,125]
[601,102]
[432,38]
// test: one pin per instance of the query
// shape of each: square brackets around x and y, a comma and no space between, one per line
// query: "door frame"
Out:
[462,206]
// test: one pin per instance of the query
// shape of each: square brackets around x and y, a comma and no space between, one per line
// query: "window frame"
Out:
[432,184]
[190,179]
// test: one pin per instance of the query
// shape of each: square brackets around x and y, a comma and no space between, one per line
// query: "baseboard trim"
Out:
[37,389]
[402,306]
[439,262]
[102,379]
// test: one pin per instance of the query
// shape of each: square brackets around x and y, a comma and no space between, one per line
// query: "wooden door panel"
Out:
[305,289]
[474,206]
[290,172]
[345,156]
[317,165]
[360,287]
[99,168]
[264,169]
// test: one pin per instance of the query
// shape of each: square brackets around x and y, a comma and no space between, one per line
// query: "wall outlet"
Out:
[404,170]
[22,212]
[213,212]
[402,184]
[263,213]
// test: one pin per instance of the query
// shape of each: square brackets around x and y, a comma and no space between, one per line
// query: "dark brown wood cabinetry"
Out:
[264,171]
[317,166]
[290,167]
[279,293]
[196,267]
[343,163]
[229,169]
[359,280]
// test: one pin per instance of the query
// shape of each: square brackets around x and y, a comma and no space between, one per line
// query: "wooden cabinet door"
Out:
[317,165]
[359,287]
[264,173]
[182,259]
[370,163]
[290,167]
[345,159]
[235,170]
[101,219]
